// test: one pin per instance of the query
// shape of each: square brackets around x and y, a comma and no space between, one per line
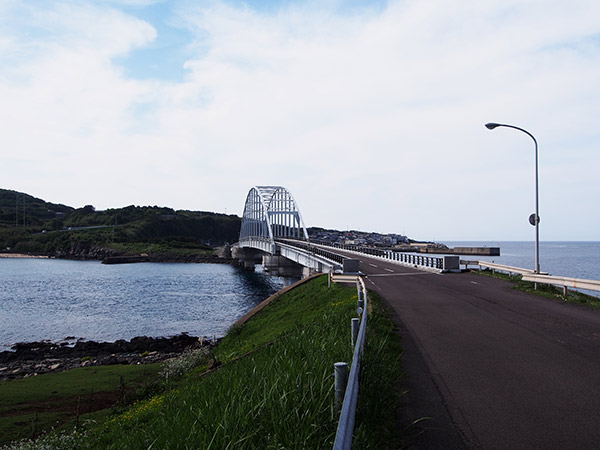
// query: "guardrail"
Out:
[565,282]
[543,277]
[343,435]
[500,267]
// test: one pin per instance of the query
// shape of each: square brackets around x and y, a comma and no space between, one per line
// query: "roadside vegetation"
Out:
[545,290]
[31,406]
[268,384]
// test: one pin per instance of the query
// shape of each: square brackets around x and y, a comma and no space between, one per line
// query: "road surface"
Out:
[496,368]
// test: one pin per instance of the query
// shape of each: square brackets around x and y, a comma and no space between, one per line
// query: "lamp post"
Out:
[533,219]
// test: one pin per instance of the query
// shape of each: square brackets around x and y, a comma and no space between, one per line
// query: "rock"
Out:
[111,360]
[44,356]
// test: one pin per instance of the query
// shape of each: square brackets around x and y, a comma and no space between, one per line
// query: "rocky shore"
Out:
[36,358]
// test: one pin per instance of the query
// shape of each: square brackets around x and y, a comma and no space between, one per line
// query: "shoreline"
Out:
[22,256]
[28,359]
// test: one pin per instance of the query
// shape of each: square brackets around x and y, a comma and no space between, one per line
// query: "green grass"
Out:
[46,401]
[381,389]
[545,290]
[279,396]
[273,386]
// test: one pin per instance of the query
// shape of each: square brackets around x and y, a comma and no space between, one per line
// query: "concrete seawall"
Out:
[481,251]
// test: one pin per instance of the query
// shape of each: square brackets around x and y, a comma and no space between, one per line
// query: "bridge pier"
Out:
[281,266]
[307,272]
[247,257]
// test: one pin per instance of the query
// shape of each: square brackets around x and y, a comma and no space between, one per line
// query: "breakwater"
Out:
[568,259]
[479,251]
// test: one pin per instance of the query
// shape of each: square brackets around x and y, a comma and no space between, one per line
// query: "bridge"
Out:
[273,232]
[493,367]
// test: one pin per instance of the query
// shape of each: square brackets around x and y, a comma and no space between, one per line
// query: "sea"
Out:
[58,300]
[62,300]
[566,259]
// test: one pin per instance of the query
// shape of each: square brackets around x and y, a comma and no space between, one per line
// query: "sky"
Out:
[371,113]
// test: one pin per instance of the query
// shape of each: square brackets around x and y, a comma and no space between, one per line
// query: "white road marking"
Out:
[371,281]
[372,265]
[389,270]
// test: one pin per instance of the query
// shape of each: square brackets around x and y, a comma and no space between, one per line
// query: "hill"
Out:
[32,225]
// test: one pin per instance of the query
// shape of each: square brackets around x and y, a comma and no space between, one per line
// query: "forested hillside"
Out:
[31,225]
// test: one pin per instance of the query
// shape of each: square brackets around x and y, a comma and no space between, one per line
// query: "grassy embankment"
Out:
[271,385]
[545,290]
[60,400]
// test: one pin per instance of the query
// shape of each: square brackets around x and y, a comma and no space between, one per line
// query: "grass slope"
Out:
[272,387]
[36,404]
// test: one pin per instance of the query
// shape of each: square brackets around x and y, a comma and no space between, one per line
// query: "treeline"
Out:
[31,225]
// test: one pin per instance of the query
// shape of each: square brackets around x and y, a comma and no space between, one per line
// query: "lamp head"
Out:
[491,125]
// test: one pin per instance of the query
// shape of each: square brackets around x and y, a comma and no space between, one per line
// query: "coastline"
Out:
[22,255]
[26,359]
[36,358]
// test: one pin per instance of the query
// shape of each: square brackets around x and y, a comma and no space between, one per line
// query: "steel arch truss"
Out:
[271,212]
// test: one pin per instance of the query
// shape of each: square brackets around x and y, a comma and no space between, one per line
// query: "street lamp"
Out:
[534,219]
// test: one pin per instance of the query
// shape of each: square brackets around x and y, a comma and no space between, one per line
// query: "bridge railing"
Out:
[343,435]
[258,242]
[431,262]
[314,250]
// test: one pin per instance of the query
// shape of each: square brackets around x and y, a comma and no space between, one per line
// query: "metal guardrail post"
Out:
[355,327]
[341,381]
[343,436]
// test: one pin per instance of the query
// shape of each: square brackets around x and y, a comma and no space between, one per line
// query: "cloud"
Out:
[372,117]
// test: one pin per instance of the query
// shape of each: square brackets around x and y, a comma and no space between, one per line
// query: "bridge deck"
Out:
[497,368]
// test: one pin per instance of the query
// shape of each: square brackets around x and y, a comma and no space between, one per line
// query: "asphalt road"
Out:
[495,368]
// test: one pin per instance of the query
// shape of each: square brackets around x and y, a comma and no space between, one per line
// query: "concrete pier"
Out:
[247,257]
[280,266]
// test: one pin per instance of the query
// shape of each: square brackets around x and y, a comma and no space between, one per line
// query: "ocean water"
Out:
[567,259]
[55,299]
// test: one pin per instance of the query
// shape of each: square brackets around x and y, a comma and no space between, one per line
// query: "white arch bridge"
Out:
[273,231]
